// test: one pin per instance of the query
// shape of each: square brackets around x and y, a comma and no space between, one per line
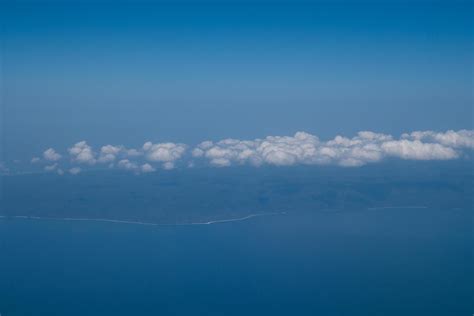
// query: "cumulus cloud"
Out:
[301,148]
[75,170]
[146,168]
[168,165]
[167,153]
[460,139]
[82,153]
[109,153]
[133,152]
[51,167]
[417,150]
[365,147]
[118,156]
[51,155]
[127,165]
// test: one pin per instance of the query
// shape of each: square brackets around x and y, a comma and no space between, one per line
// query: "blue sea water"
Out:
[369,262]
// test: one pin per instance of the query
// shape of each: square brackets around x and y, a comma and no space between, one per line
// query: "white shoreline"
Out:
[394,207]
[117,221]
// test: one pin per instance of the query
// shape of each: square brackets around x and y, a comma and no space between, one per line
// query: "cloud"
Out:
[460,139]
[227,151]
[168,165]
[75,170]
[299,149]
[82,153]
[118,156]
[133,152]
[417,150]
[109,153]
[146,168]
[304,148]
[167,153]
[51,155]
[127,165]
[51,167]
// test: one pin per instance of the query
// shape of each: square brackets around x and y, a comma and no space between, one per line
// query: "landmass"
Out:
[213,195]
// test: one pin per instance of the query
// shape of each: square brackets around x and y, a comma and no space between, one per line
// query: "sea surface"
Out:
[407,261]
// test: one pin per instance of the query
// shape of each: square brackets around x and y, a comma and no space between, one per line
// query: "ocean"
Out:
[406,261]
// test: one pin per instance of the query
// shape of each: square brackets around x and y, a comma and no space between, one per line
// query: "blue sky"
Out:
[186,72]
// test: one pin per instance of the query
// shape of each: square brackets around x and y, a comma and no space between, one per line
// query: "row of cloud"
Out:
[118,156]
[301,148]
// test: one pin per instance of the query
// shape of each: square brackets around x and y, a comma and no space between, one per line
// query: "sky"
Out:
[126,73]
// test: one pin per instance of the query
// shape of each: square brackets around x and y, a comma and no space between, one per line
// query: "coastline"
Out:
[396,207]
[117,221]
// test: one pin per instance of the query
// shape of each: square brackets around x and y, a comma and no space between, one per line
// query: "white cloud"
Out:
[75,170]
[167,153]
[133,152]
[304,148]
[127,165]
[460,139]
[51,155]
[82,153]
[147,146]
[198,152]
[51,167]
[417,150]
[168,165]
[108,153]
[60,172]
[226,151]
[301,148]
[145,168]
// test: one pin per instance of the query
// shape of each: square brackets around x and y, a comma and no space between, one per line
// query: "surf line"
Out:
[394,207]
[117,221]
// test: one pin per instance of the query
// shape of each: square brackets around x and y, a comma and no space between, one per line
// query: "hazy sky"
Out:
[128,73]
